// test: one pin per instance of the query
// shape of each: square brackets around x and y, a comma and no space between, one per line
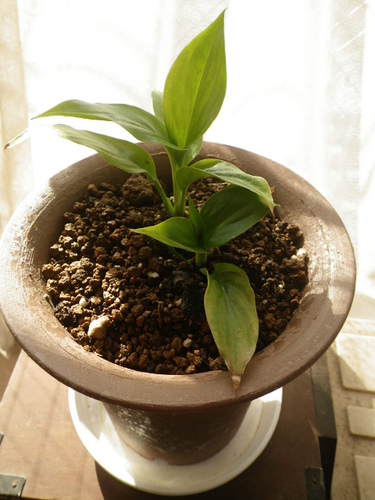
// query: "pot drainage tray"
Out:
[95,429]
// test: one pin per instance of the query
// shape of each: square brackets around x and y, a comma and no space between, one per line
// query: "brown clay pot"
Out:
[183,418]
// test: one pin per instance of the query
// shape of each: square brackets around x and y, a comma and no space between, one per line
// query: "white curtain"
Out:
[15,167]
[300,87]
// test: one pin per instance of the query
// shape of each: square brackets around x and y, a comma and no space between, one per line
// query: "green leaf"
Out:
[231,314]
[225,215]
[157,104]
[142,125]
[177,232]
[228,213]
[195,86]
[121,154]
[187,175]
[25,134]
[226,172]
[193,150]
[187,155]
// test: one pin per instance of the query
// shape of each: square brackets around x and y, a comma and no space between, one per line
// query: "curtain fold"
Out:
[15,166]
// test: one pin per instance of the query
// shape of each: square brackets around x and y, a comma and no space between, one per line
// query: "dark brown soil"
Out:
[128,299]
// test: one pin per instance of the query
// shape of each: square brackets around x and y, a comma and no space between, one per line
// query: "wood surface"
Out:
[40,444]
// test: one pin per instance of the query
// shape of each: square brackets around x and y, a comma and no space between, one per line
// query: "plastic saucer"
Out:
[95,429]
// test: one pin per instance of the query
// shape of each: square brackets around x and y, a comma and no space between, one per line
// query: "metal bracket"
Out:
[315,486]
[11,486]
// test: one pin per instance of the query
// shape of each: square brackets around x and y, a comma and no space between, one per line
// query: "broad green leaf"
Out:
[187,175]
[225,215]
[142,125]
[226,172]
[177,232]
[229,213]
[121,154]
[193,150]
[195,86]
[157,104]
[231,314]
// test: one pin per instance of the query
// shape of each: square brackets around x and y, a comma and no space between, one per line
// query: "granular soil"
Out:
[128,299]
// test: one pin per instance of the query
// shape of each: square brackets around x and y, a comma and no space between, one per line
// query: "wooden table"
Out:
[40,444]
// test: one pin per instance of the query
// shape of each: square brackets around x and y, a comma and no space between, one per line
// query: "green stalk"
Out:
[176,159]
[166,201]
[200,260]
[180,204]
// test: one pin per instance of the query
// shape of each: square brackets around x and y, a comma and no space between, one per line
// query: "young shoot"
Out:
[193,94]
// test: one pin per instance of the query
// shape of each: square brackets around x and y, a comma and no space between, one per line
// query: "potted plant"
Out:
[183,419]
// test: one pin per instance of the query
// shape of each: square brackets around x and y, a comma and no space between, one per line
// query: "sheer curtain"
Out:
[15,167]
[300,87]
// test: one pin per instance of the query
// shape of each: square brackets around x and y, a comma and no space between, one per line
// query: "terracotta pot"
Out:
[162,410]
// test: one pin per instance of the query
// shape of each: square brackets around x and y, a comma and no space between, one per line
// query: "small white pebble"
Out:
[301,253]
[98,327]
[187,343]
[153,274]
[83,302]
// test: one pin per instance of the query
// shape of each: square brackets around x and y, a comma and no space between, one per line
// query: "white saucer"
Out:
[95,429]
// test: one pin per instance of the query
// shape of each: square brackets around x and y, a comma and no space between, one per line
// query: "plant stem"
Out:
[166,201]
[180,205]
[200,260]
[176,159]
